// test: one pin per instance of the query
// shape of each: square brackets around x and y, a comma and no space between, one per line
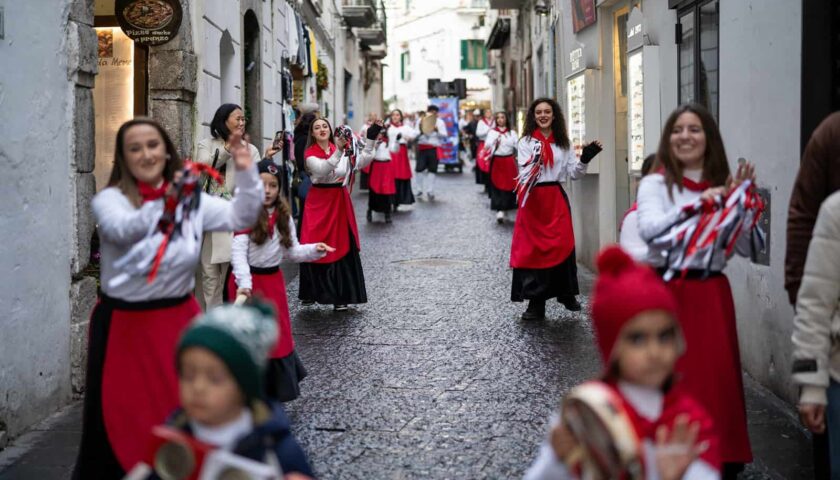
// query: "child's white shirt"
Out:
[224,436]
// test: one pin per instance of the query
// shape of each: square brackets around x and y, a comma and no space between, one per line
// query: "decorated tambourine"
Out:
[608,447]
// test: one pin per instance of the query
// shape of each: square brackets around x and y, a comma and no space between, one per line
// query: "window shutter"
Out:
[464,54]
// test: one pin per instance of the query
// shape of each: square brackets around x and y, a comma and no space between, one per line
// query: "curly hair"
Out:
[558,122]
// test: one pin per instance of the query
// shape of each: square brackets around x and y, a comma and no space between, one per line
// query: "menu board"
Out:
[575,88]
[113,96]
[635,114]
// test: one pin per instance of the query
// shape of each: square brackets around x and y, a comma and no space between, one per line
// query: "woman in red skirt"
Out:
[542,252]
[383,187]
[692,164]
[328,216]
[255,258]
[131,381]
[500,147]
[399,134]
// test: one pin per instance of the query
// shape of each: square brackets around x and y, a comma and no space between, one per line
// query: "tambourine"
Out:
[608,447]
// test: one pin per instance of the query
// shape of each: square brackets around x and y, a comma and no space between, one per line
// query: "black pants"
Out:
[427,159]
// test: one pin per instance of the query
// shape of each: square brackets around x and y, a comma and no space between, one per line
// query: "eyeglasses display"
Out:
[636,127]
[577,112]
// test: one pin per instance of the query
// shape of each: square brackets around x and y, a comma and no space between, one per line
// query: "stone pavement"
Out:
[435,377]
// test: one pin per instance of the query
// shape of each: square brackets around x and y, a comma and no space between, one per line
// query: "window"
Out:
[405,66]
[698,39]
[473,55]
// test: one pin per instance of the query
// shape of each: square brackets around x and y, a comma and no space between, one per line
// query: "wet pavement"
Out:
[436,376]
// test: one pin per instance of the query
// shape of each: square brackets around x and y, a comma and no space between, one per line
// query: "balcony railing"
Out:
[376,33]
[358,13]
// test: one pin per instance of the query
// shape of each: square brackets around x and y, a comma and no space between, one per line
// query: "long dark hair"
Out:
[121,176]
[558,124]
[715,164]
[402,117]
[310,140]
[218,127]
[259,234]
[507,118]
[302,128]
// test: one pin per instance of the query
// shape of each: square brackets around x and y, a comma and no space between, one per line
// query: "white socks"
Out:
[430,183]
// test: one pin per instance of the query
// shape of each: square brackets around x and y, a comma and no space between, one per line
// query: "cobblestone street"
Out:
[435,377]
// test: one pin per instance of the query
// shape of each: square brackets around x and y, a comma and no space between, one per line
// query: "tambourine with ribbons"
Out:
[708,226]
[529,174]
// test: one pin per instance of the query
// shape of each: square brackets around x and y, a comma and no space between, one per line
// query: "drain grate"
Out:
[434,262]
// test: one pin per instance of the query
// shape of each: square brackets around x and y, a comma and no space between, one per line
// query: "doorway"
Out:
[622,177]
[253,86]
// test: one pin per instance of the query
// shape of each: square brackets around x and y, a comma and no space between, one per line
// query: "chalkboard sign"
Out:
[149,22]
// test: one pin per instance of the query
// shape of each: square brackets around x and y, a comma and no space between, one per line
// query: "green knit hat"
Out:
[241,336]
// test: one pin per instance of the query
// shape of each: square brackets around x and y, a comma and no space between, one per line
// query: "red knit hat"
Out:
[624,289]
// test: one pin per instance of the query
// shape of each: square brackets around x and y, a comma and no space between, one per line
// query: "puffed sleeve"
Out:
[654,215]
[524,150]
[489,141]
[241,212]
[319,167]
[575,168]
[119,222]
[298,252]
[366,155]
[239,260]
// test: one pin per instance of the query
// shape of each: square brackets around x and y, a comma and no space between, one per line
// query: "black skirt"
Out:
[282,378]
[501,199]
[338,283]
[545,283]
[380,203]
[404,194]
[481,178]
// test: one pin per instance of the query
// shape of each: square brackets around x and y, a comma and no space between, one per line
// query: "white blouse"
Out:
[335,168]
[566,165]
[123,230]
[393,131]
[507,142]
[657,211]
[483,128]
[381,152]
[246,254]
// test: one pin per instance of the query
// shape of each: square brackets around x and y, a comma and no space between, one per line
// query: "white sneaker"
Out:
[500,217]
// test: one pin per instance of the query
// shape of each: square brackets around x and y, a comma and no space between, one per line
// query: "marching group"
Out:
[669,349]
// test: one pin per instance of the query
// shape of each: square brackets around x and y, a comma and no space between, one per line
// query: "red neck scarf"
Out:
[502,130]
[398,125]
[690,184]
[486,122]
[315,150]
[149,193]
[272,222]
[547,152]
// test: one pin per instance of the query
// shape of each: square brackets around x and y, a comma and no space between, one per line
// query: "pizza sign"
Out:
[149,22]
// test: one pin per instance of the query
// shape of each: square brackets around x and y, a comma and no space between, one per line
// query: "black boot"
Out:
[535,311]
[387,217]
[570,302]
[369,215]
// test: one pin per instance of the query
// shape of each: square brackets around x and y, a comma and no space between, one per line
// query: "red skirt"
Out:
[139,384]
[482,160]
[382,180]
[711,366]
[328,217]
[402,166]
[271,286]
[543,235]
[503,172]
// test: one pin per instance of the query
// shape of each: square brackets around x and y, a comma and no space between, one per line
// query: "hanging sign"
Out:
[149,22]
[635,30]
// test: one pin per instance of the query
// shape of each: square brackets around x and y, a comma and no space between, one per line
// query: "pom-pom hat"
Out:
[267,165]
[241,336]
[623,290]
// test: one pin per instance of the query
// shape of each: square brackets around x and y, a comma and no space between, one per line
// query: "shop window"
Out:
[405,66]
[699,54]
[473,55]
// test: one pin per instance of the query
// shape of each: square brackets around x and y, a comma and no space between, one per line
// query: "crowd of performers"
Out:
[669,342]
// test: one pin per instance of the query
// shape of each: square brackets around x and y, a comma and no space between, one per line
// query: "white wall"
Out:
[760,119]
[439,30]
[35,189]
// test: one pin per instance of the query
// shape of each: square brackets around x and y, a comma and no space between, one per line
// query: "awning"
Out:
[499,34]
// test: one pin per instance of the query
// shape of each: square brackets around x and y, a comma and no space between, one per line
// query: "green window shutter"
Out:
[464,54]
[483,50]
[402,66]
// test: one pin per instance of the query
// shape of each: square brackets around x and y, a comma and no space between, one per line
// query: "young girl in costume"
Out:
[500,148]
[131,381]
[399,134]
[635,319]
[337,278]
[542,252]
[255,258]
[692,164]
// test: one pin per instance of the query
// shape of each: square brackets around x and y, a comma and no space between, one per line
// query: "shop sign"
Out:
[149,22]
[576,61]
[635,30]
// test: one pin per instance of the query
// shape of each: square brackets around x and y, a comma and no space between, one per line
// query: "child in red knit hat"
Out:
[634,315]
